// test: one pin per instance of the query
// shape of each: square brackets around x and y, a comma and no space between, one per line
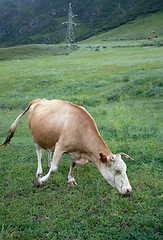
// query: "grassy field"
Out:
[122,89]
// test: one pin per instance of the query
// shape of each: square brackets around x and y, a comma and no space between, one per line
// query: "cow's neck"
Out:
[98,147]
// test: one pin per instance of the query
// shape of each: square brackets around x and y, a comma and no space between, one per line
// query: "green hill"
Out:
[38,21]
[134,33]
[143,27]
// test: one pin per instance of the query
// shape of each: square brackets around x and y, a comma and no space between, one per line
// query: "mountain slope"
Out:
[39,21]
[143,27]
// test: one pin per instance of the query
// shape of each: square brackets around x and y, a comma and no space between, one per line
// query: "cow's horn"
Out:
[126,156]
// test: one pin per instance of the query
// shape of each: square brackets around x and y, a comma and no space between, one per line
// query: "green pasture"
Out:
[121,87]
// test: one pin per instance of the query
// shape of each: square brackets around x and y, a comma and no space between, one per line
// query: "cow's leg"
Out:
[56,158]
[49,159]
[71,179]
[39,156]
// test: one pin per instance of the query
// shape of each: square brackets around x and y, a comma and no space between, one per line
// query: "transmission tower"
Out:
[70,39]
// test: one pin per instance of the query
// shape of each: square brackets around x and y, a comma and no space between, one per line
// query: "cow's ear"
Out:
[103,157]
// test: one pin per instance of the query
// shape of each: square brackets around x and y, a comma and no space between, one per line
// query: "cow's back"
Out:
[54,120]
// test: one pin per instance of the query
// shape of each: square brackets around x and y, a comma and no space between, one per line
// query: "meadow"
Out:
[121,87]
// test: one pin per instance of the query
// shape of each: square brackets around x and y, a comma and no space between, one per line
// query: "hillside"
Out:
[141,28]
[37,21]
[132,34]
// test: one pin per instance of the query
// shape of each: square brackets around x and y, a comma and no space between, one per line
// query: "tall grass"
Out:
[122,89]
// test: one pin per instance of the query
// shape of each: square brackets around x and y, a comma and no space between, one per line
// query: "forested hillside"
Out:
[39,21]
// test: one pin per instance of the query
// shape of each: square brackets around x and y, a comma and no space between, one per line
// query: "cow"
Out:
[62,127]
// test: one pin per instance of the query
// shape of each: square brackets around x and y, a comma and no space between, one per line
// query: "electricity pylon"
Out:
[70,39]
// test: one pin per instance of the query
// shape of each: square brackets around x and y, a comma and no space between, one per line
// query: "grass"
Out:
[28,51]
[139,29]
[122,89]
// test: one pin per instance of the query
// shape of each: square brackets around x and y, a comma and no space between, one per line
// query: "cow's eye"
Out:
[118,172]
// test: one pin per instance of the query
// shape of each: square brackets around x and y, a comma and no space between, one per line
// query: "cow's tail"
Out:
[14,126]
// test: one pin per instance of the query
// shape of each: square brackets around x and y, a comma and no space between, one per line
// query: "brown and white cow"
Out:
[62,127]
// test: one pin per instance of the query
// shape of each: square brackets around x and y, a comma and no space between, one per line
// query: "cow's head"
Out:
[114,171]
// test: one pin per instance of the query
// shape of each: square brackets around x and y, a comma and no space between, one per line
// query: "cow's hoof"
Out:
[72,183]
[37,183]
[38,175]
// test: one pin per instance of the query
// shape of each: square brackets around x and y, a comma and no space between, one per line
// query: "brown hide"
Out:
[67,125]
